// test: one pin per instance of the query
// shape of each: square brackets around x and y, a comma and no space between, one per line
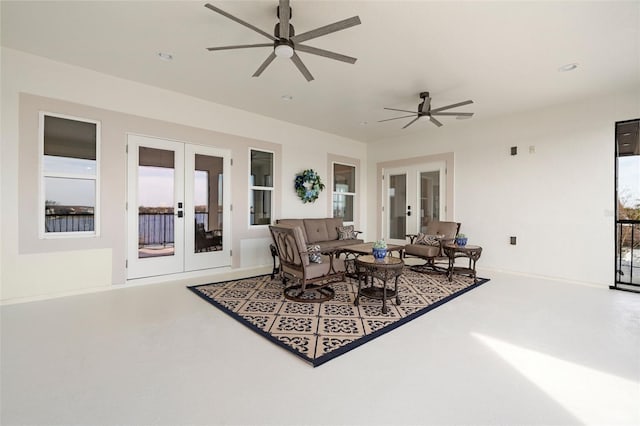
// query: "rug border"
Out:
[344,349]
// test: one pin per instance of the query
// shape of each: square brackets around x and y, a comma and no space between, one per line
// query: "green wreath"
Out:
[308,186]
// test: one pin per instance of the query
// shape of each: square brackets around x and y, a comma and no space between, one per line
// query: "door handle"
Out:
[409,213]
[179,214]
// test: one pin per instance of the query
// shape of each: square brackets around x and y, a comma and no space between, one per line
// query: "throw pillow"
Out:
[346,233]
[314,254]
[428,240]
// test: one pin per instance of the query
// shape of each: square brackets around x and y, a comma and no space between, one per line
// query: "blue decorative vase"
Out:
[461,241]
[379,253]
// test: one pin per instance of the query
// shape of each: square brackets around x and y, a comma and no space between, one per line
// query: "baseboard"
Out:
[185,278]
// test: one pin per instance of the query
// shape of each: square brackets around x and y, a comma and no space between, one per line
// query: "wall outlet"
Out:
[514,150]
[532,149]
[512,241]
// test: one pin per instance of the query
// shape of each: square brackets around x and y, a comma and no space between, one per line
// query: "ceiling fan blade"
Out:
[411,122]
[325,53]
[296,60]
[239,46]
[264,65]
[284,12]
[327,29]
[436,122]
[426,105]
[451,106]
[397,118]
[401,110]
[239,21]
[461,114]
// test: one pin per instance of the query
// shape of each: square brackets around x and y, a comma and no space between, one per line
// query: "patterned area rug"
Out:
[319,332]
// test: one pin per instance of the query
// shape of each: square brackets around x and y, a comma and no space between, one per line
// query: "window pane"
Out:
[344,178]
[69,205]
[397,206]
[260,208]
[208,177]
[343,207]
[155,202]
[429,198]
[67,165]
[261,168]
[69,138]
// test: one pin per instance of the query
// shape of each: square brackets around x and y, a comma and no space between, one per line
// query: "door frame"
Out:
[184,259]
[413,184]
[448,159]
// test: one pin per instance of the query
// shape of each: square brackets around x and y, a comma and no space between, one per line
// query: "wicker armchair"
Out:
[312,279]
[432,254]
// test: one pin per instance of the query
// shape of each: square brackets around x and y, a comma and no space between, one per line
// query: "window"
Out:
[344,191]
[261,187]
[69,176]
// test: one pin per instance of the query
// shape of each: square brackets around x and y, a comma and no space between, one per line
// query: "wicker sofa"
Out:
[322,232]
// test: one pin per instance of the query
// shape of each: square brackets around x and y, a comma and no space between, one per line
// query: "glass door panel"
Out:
[155,207]
[156,185]
[397,207]
[207,208]
[628,205]
[429,198]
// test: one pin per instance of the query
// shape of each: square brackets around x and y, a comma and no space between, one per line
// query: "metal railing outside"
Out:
[628,253]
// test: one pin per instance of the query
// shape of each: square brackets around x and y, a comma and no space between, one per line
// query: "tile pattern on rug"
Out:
[318,332]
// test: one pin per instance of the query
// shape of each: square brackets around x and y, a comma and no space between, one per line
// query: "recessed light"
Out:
[165,56]
[568,67]
[286,97]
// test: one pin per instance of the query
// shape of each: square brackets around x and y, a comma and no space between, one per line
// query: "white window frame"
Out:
[42,176]
[260,188]
[334,192]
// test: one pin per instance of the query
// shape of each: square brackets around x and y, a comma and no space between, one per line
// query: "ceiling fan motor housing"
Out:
[276,31]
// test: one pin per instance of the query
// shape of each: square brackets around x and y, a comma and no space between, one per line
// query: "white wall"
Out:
[559,202]
[38,274]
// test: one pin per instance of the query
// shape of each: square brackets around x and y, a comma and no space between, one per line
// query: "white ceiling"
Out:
[503,55]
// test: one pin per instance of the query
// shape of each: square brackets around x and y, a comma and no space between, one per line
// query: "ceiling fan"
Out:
[424,110]
[285,42]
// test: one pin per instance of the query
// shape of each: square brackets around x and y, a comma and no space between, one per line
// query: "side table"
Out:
[454,251]
[369,269]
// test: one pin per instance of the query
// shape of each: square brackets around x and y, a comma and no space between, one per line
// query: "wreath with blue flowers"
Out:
[308,186]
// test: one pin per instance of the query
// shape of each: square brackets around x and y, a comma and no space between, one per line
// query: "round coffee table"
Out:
[454,251]
[370,269]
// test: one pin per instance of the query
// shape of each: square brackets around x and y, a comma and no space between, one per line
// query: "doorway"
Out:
[627,189]
[178,207]
[413,196]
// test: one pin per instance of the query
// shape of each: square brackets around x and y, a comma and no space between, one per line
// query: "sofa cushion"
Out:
[332,227]
[316,230]
[293,222]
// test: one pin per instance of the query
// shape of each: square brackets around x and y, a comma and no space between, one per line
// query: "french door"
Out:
[178,208]
[413,196]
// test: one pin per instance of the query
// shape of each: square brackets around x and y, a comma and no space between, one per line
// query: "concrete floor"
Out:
[517,350]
